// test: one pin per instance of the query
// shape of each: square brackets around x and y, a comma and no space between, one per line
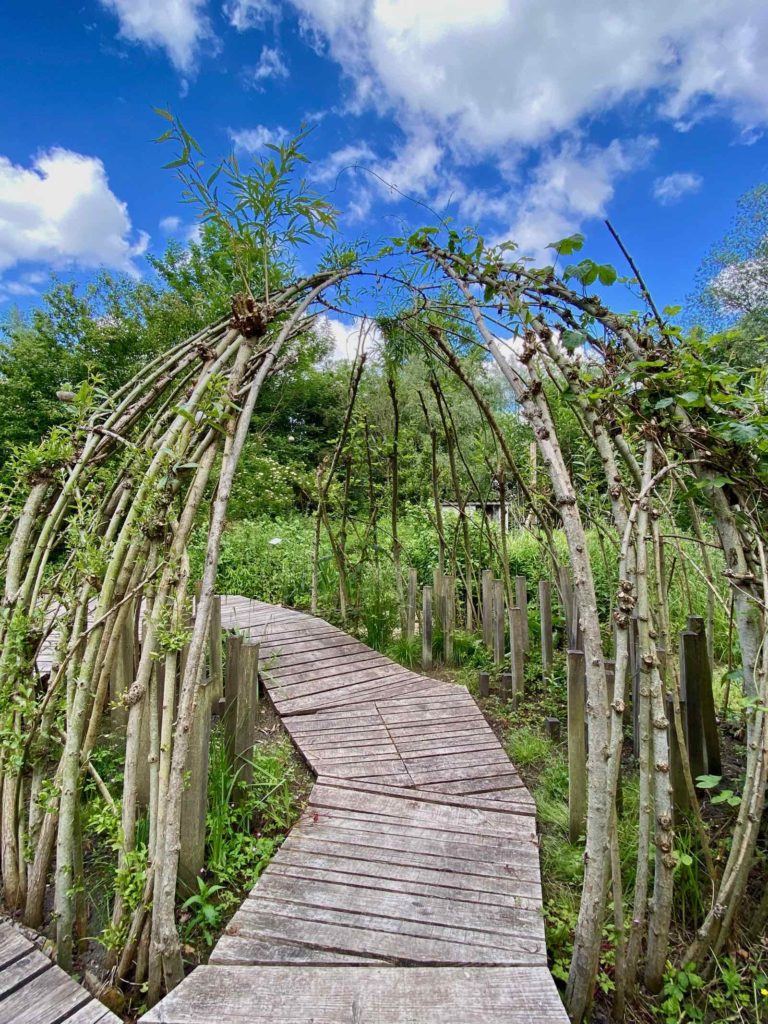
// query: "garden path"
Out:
[409,889]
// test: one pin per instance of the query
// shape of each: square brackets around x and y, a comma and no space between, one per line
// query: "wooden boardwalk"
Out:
[34,991]
[409,890]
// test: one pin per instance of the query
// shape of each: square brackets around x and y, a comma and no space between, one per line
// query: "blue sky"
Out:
[528,120]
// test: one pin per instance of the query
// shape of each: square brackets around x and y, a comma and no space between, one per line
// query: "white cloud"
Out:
[270,65]
[248,14]
[251,140]
[574,183]
[345,337]
[61,211]
[495,72]
[175,226]
[179,27]
[673,187]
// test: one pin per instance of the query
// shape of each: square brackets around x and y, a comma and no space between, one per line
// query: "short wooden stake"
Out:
[696,691]
[487,607]
[552,729]
[521,598]
[545,615]
[410,620]
[506,691]
[577,748]
[484,684]
[426,628]
[498,621]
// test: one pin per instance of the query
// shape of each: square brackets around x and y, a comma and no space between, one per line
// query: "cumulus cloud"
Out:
[571,184]
[270,65]
[248,14]
[345,337]
[492,73]
[61,211]
[672,187]
[179,27]
[251,140]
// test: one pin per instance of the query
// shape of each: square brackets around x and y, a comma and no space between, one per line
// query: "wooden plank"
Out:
[239,949]
[50,996]
[12,944]
[474,803]
[385,995]
[401,940]
[22,971]
[382,874]
[498,921]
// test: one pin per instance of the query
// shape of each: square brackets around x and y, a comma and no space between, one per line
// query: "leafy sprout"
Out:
[266,211]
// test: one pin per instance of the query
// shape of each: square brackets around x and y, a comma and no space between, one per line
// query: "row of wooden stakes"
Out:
[229,692]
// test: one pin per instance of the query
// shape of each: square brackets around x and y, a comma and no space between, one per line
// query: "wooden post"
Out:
[194,799]
[487,598]
[516,652]
[545,614]
[231,690]
[696,691]
[245,719]
[449,617]
[506,691]
[484,684]
[521,597]
[552,729]
[577,748]
[410,620]
[498,622]
[217,674]
[426,628]
[437,598]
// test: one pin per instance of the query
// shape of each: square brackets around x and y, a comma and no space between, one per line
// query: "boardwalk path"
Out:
[409,891]
[34,991]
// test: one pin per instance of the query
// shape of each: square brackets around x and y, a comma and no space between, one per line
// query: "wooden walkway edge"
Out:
[34,991]
[409,890]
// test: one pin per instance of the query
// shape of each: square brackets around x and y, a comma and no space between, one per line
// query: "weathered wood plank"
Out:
[385,995]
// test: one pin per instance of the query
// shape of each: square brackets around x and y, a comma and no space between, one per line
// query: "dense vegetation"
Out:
[628,450]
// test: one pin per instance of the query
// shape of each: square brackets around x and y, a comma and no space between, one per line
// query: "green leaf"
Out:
[708,781]
[607,274]
[166,114]
[569,245]
[664,403]
[573,340]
